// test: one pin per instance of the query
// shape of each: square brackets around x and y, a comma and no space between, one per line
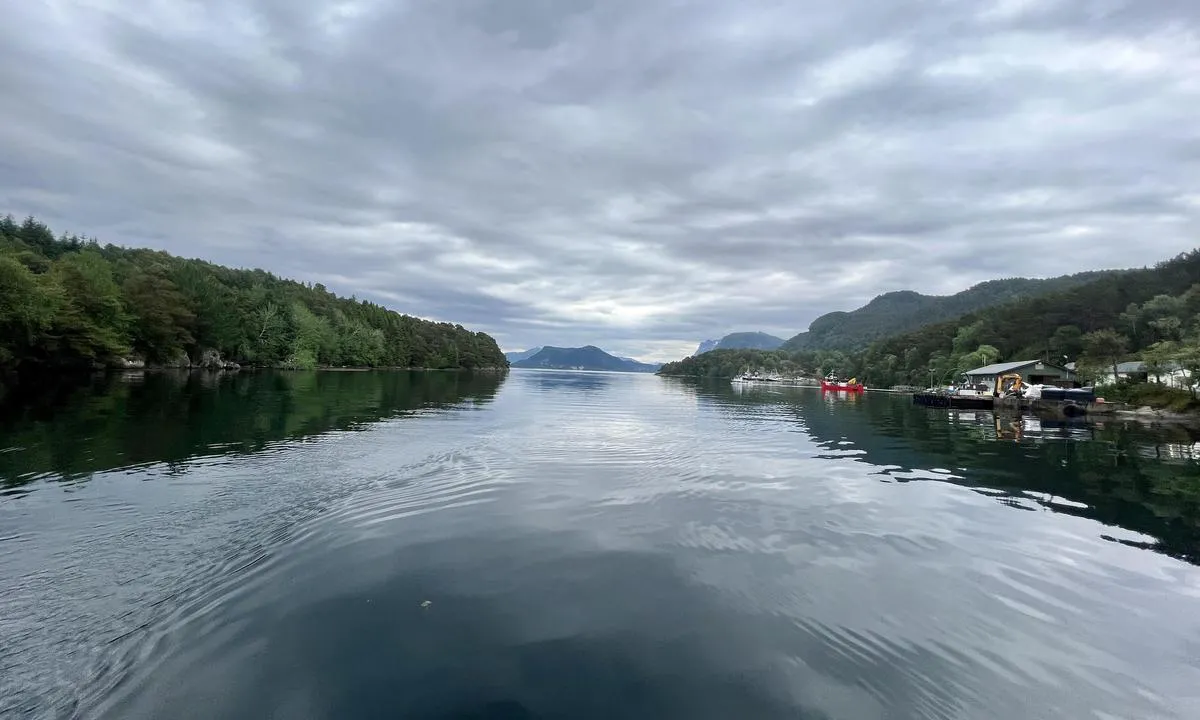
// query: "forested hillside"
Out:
[722,363]
[898,312]
[1150,314]
[740,340]
[69,301]
[588,357]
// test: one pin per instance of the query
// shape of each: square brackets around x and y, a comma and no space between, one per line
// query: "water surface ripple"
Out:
[586,545]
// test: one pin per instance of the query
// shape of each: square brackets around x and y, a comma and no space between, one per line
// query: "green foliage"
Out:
[62,427]
[70,302]
[728,363]
[904,311]
[1096,319]
[28,305]
[1188,357]
[1151,395]
[89,324]
[162,321]
[1105,346]
[1111,318]
[1159,358]
[1066,342]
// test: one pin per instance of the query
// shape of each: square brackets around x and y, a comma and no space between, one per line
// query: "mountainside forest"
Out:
[904,310]
[71,302]
[1150,314]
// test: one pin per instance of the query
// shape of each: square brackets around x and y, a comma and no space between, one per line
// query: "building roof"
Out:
[1137,366]
[1001,368]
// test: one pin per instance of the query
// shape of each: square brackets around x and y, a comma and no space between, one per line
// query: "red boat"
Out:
[851,385]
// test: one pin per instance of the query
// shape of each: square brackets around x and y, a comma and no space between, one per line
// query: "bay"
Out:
[584,545]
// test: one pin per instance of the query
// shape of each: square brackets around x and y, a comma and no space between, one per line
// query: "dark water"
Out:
[569,545]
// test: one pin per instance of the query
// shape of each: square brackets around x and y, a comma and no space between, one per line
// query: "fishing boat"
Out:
[831,382]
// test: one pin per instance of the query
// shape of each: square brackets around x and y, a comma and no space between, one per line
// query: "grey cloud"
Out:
[636,174]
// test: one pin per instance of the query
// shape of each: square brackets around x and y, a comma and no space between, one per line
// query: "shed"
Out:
[1032,372]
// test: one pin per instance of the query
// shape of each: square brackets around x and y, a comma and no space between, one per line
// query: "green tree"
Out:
[967,337]
[28,306]
[315,340]
[1168,328]
[362,345]
[1187,356]
[988,354]
[161,327]
[1105,346]
[90,326]
[214,306]
[1158,358]
[1067,341]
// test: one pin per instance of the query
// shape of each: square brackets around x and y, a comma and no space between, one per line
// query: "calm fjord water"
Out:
[584,545]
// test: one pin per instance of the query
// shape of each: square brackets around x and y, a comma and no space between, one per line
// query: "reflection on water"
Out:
[588,545]
[71,430]
[1123,473]
[577,381]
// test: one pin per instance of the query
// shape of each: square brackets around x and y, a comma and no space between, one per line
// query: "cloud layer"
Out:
[637,174]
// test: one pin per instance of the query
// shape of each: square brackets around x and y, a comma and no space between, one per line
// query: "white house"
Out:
[1136,371]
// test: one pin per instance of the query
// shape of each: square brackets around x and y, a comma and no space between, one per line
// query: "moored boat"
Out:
[755,378]
[831,382]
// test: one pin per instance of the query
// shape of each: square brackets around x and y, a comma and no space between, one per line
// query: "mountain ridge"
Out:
[588,357]
[750,340]
[518,355]
[901,311]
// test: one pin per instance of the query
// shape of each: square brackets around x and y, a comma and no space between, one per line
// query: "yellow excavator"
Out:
[1009,384]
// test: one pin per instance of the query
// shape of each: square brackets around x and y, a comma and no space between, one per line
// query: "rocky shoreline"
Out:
[1149,414]
[212,360]
[209,360]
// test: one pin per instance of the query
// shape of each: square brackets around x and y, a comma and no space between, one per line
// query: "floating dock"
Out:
[946,400]
[1067,407]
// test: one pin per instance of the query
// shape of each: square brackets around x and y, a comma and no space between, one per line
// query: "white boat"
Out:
[772,379]
[756,378]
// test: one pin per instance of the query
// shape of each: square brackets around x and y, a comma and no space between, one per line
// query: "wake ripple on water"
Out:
[666,545]
[268,542]
[442,482]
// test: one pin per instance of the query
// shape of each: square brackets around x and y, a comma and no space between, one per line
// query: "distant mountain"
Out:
[903,311]
[588,357]
[741,341]
[519,355]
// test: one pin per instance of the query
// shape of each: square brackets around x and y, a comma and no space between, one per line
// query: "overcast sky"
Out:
[636,174]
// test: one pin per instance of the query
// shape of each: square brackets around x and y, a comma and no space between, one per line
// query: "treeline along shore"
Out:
[69,302]
[1146,316]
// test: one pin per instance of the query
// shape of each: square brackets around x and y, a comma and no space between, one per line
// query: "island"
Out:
[588,357]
